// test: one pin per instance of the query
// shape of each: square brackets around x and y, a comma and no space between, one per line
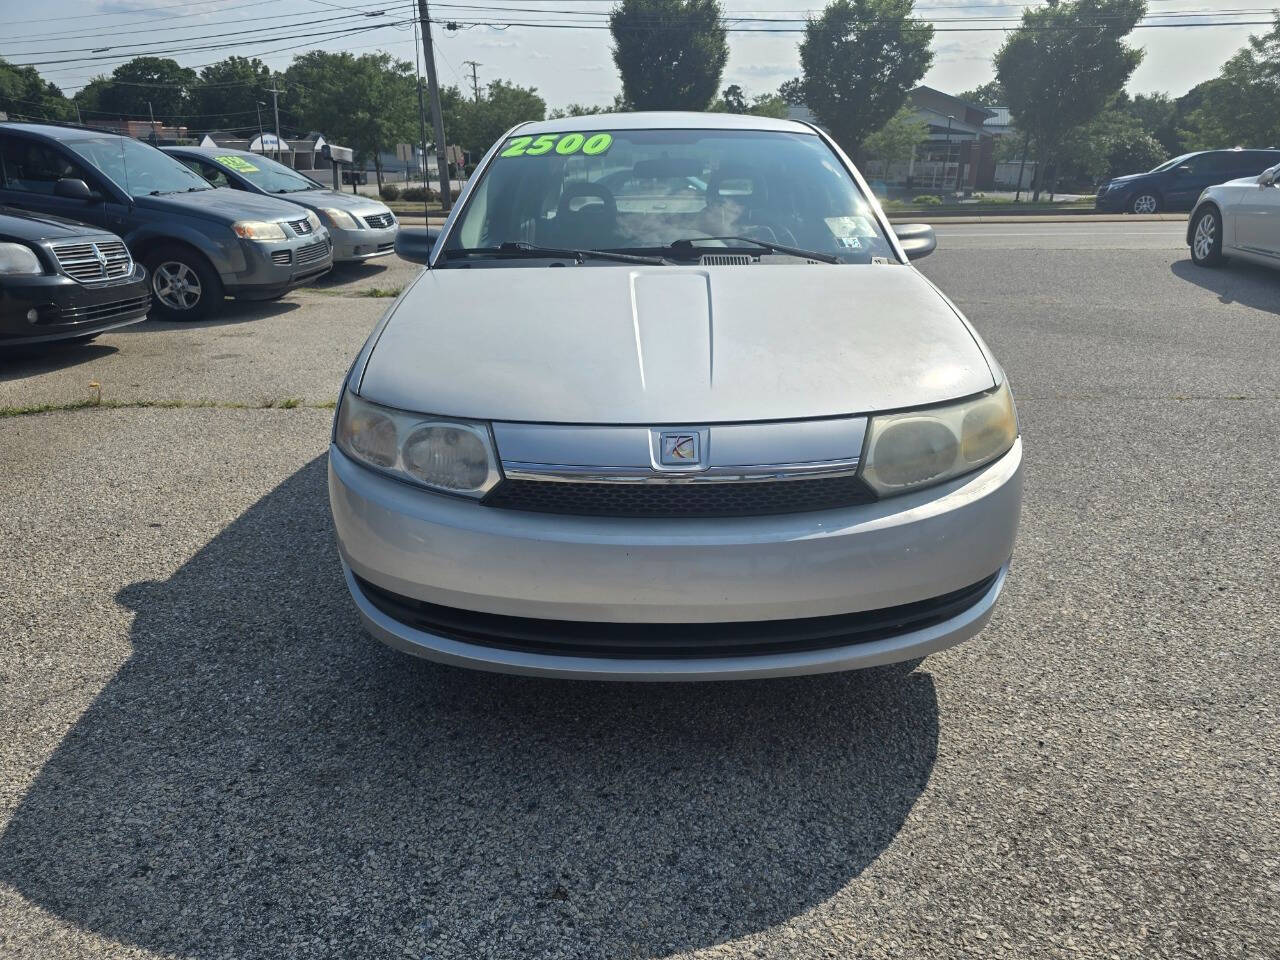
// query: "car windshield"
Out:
[137,168]
[1170,164]
[640,191]
[265,173]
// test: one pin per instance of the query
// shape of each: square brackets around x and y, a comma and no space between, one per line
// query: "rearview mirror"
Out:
[73,189]
[916,239]
[415,243]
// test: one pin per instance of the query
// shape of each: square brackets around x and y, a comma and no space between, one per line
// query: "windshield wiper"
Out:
[689,244]
[522,248]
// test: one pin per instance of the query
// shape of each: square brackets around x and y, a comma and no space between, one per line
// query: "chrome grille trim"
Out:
[301,227]
[96,261]
[754,473]
[379,220]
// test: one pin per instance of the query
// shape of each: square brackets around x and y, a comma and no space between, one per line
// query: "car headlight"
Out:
[450,456]
[340,218]
[313,220]
[909,450]
[16,258]
[258,230]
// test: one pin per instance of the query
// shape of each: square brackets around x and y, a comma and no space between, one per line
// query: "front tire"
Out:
[1144,202]
[1206,237]
[183,284]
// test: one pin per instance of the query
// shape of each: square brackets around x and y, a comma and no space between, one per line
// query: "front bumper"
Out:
[276,267]
[65,308]
[355,245]
[461,555]
[1113,201]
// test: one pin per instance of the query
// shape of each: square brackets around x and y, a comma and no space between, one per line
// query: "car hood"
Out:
[315,199]
[224,205]
[672,345]
[1128,178]
[24,225]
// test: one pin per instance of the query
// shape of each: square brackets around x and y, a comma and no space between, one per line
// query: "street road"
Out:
[202,756]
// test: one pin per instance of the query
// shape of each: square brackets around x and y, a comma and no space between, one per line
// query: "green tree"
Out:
[1158,115]
[860,60]
[669,53]
[1241,106]
[156,81]
[1063,65]
[368,103]
[24,94]
[897,140]
[227,92]
[989,94]
[733,99]
[1112,144]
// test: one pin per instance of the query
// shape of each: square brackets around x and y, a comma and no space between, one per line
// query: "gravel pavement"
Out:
[202,756]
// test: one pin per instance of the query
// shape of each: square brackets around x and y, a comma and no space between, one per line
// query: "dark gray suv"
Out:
[198,244]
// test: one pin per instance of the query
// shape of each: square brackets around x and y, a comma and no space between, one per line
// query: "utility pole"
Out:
[475,84]
[78,120]
[153,123]
[422,112]
[429,58]
[275,105]
[262,147]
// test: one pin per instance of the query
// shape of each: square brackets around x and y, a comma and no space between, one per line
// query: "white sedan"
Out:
[670,403]
[1240,218]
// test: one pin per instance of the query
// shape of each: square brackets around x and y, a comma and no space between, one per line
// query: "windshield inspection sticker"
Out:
[567,144]
[238,164]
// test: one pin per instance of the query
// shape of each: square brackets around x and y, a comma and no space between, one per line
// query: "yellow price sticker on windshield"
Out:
[238,164]
[564,144]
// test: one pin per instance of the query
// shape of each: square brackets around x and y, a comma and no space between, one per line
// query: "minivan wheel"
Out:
[1144,203]
[1206,238]
[183,284]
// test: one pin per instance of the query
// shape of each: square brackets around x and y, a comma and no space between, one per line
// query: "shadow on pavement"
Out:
[18,363]
[231,312]
[344,273]
[261,779]
[1235,282]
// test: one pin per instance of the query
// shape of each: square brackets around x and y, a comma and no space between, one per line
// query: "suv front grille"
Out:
[673,640]
[94,262]
[380,220]
[730,499]
[301,227]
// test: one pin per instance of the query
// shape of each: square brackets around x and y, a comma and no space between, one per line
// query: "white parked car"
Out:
[670,403]
[1240,218]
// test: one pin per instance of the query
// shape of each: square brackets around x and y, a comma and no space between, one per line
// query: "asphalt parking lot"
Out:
[202,756]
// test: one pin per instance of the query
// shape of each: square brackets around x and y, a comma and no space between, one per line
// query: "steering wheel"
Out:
[572,191]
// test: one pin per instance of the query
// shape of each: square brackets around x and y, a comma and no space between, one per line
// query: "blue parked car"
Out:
[1176,184]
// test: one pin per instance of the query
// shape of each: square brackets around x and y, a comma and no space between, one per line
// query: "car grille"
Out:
[117,309]
[380,220]
[282,258]
[301,227]
[94,262]
[673,640]
[312,253]
[728,499]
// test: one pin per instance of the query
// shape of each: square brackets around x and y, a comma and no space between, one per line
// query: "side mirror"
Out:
[1267,178]
[73,189]
[916,239]
[415,243]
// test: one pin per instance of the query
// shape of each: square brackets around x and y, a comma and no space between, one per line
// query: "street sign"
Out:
[404,153]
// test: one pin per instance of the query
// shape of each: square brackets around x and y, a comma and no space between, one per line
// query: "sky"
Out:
[565,65]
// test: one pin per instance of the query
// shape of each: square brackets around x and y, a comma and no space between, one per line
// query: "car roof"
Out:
[58,131]
[664,120]
[211,151]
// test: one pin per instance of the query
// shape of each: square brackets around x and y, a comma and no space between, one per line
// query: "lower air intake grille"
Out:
[282,258]
[672,640]
[679,499]
[312,253]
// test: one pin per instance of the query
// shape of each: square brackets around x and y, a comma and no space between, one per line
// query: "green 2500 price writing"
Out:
[566,145]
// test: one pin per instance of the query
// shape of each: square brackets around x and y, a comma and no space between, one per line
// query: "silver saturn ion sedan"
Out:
[670,403]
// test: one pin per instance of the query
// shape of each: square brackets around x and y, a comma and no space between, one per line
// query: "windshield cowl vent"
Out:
[725,259]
